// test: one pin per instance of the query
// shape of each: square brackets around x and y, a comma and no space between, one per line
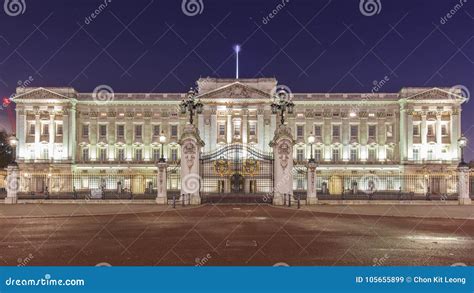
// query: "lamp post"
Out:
[13,141]
[162,141]
[311,142]
[462,142]
[282,103]
[189,104]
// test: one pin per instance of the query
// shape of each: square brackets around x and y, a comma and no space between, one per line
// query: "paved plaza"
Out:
[74,234]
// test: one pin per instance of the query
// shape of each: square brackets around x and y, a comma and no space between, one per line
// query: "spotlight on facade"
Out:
[352,114]
[462,142]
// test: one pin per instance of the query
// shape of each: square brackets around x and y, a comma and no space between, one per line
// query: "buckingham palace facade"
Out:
[413,132]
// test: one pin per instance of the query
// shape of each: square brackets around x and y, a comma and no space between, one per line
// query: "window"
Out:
[335,131]
[138,155]
[138,131]
[372,155]
[430,155]
[299,155]
[299,183]
[103,154]
[354,131]
[252,129]
[416,154]
[85,154]
[102,131]
[317,131]
[390,154]
[45,129]
[156,154]
[221,129]
[416,130]
[237,128]
[59,129]
[174,130]
[85,130]
[372,131]
[156,130]
[32,129]
[299,131]
[389,130]
[121,154]
[335,155]
[45,153]
[317,155]
[353,155]
[430,129]
[444,129]
[174,155]
[120,130]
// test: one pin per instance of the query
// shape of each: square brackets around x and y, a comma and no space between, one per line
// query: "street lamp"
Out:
[311,141]
[189,104]
[462,142]
[282,103]
[13,141]
[162,141]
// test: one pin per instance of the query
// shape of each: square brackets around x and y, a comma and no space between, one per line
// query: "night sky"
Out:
[310,46]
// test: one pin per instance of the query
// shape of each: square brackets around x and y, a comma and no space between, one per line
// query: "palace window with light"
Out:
[299,132]
[45,130]
[372,131]
[317,131]
[174,131]
[300,155]
[354,154]
[354,131]
[156,154]
[174,154]
[45,153]
[372,155]
[138,131]
[416,154]
[59,129]
[335,131]
[85,130]
[389,154]
[416,130]
[430,130]
[32,129]
[335,154]
[221,129]
[103,154]
[121,154]
[317,155]
[120,131]
[444,130]
[237,129]
[85,154]
[103,131]
[389,130]
[138,154]
[156,130]
[430,154]
[252,129]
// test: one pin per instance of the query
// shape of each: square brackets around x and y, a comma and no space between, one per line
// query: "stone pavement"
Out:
[67,210]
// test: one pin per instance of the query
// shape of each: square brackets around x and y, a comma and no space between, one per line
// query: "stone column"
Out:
[72,132]
[21,131]
[229,126]
[454,134]
[161,184]
[424,137]
[66,151]
[463,185]
[191,145]
[409,136]
[213,130]
[13,183]
[311,194]
[439,141]
[37,134]
[261,129]
[282,145]
[52,134]
[403,131]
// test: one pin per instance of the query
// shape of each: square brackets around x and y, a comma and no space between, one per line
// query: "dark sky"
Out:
[310,46]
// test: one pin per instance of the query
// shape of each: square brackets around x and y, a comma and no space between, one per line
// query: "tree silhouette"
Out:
[6,151]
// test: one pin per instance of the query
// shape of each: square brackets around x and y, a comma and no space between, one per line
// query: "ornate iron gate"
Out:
[236,168]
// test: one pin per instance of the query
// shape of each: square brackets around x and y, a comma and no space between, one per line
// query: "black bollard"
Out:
[174,201]
[299,199]
[289,200]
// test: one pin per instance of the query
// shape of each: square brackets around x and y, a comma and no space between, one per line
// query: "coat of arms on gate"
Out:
[222,168]
[250,167]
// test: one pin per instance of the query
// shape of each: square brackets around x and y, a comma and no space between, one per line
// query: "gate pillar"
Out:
[191,144]
[463,185]
[161,186]
[311,196]
[282,145]
[12,183]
